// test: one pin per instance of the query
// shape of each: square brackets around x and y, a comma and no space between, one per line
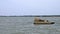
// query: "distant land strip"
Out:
[34,16]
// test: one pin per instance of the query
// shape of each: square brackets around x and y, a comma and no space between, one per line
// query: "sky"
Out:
[29,7]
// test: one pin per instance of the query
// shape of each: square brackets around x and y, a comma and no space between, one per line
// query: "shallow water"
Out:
[24,25]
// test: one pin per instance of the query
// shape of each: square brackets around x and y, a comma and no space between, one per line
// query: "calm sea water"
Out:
[24,25]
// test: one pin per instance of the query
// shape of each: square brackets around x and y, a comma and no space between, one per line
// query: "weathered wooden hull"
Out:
[44,23]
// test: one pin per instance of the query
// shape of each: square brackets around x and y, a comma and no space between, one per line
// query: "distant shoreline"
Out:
[34,16]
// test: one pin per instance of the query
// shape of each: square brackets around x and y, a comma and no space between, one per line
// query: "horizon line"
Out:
[31,16]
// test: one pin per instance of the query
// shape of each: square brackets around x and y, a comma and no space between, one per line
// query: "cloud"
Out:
[29,7]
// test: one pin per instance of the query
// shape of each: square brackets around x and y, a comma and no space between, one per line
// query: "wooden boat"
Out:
[40,21]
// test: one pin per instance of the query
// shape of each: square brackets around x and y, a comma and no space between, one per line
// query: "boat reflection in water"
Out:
[40,21]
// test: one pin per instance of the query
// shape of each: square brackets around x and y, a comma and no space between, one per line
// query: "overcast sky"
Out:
[29,7]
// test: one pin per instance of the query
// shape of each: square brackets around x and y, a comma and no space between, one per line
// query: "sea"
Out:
[24,25]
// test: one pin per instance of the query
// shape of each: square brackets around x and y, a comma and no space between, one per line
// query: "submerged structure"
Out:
[40,21]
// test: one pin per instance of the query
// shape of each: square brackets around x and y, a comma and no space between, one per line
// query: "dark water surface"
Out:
[24,25]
